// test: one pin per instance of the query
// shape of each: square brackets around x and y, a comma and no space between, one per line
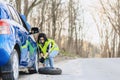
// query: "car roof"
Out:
[4,12]
[3,2]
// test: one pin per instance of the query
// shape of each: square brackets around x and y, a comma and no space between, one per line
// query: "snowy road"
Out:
[83,69]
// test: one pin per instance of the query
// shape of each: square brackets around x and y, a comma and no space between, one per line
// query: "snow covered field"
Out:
[83,69]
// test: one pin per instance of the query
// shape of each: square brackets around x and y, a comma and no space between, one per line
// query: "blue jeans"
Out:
[49,62]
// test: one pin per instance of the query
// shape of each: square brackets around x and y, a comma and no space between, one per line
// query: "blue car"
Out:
[18,48]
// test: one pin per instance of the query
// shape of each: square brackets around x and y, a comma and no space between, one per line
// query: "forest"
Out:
[80,27]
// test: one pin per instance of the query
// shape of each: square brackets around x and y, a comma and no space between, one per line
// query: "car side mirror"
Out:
[34,30]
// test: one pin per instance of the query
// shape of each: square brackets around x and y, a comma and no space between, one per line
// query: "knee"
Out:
[53,54]
[50,56]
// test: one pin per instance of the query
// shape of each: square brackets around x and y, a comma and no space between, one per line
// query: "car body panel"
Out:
[19,34]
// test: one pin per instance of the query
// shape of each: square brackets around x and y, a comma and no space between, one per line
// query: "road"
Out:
[83,69]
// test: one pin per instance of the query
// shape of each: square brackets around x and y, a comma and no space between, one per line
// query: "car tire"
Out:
[10,71]
[35,66]
[49,70]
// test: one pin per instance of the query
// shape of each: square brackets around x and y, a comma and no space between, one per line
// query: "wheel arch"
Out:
[17,47]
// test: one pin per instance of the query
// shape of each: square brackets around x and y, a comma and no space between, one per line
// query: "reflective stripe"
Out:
[44,48]
[55,47]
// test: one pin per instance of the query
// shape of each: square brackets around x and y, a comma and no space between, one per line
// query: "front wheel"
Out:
[10,71]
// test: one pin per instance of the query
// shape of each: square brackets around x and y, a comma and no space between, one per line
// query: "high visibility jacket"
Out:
[46,44]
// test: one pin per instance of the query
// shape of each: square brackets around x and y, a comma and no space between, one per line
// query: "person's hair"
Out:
[42,35]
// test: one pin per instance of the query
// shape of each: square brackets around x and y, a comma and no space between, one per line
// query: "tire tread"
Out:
[51,71]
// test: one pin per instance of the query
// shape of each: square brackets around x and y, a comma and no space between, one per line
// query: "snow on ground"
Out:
[83,69]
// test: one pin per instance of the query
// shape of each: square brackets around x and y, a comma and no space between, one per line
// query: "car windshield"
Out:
[3,13]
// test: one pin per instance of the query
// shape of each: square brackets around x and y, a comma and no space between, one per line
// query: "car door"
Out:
[22,35]
[31,41]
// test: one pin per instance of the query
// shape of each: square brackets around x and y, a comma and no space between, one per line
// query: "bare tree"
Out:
[28,5]
[54,13]
[71,23]
[42,16]
[33,4]
[113,9]
[18,5]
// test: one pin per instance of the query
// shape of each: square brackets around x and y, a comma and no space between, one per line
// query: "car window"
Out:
[3,13]
[14,15]
[25,23]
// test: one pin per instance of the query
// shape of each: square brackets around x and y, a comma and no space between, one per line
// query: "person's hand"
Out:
[46,55]
[42,59]
[41,54]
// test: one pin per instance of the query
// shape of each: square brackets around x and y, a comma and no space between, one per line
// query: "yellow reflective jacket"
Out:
[46,44]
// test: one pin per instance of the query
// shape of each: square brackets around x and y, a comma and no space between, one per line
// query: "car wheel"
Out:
[10,71]
[51,71]
[35,66]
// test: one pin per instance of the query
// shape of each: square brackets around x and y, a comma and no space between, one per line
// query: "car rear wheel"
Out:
[10,71]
